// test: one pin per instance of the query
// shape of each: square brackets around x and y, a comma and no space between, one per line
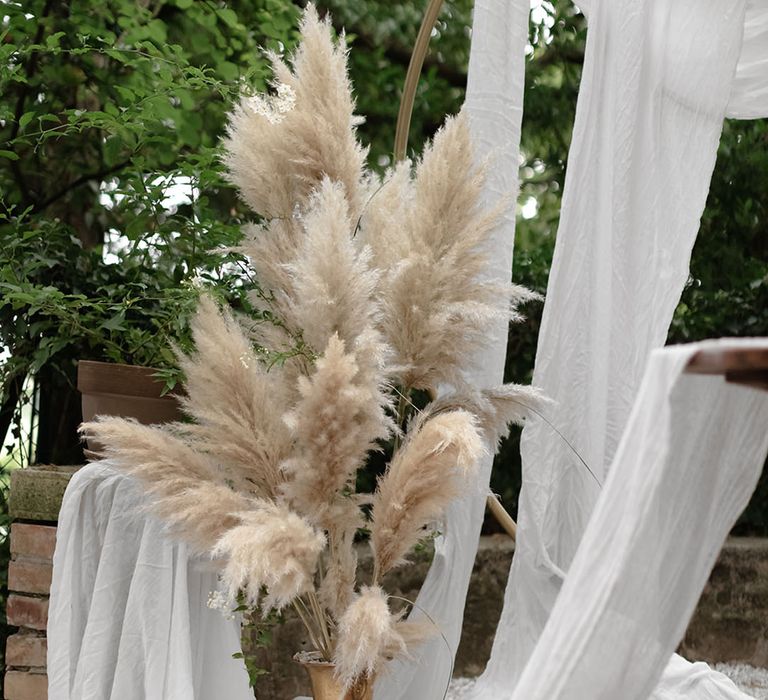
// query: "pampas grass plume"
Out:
[236,404]
[183,485]
[423,478]
[367,636]
[272,548]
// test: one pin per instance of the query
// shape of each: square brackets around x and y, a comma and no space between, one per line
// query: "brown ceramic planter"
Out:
[110,389]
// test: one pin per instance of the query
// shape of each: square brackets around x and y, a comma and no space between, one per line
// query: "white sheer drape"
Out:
[655,85]
[684,470]
[749,95]
[128,618]
[494,103]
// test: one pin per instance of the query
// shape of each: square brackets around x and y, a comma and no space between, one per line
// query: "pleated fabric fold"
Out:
[690,458]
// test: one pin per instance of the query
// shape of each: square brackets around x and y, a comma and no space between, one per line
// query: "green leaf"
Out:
[112,149]
[229,17]
[53,41]
[10,155]
[156,30]
[116,323]
[228,71]
[25,119]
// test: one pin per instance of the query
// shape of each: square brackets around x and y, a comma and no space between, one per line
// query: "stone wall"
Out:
[731,620]
[730,624]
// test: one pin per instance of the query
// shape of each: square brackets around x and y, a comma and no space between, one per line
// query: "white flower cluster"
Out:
[219,600]
[274,107]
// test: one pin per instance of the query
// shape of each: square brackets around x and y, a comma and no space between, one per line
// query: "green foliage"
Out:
[112,195]
[255,635]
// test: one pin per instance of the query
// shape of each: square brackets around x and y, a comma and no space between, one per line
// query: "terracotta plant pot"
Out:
[110,389]
[325,686]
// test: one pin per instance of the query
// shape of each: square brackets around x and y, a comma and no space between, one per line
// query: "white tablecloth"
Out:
[128,618]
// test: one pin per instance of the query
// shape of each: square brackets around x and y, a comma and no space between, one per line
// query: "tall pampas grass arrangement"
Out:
[370,289]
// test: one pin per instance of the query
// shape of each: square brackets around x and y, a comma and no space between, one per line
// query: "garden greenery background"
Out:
[112,195]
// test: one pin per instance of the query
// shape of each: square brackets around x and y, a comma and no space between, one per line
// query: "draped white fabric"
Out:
[494,104]
[749,96]
[655,85]
[688,461]
[128,617]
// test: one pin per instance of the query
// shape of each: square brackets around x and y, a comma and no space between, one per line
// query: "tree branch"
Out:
[77,182]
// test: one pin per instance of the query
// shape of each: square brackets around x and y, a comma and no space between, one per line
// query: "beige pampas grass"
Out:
[183,486]
[335,423]
[279,149]
[364,289]
[431,237]
[337,589]
[367,636]
[271,548]
[333,285]
[423,478]
[235,402]
[495,409]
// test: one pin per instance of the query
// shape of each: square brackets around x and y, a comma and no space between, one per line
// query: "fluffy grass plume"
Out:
[236,404]
[367,636]
[183,486]
[271,548]
[279,148]
[335,423]
[423,478]
[430,236]
[333,285]
[495,409]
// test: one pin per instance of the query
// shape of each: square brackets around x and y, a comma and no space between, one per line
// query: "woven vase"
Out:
[325,685]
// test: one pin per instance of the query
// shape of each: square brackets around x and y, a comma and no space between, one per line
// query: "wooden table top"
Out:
[740,366]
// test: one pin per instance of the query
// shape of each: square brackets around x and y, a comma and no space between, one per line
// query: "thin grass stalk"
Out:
[314,637]
[412,78]
[402,407]
[322,620]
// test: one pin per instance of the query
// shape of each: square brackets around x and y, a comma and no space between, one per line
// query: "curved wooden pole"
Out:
[502,516]
[412,78]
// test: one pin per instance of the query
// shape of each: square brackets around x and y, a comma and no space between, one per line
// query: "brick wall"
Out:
[29,583]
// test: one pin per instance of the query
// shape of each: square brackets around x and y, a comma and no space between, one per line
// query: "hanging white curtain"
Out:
[749,94]
[655,85]
[688,461]
[494,103]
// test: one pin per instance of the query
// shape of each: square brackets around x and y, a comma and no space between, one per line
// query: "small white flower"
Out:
[286,98]
[273,107]
[218,600]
